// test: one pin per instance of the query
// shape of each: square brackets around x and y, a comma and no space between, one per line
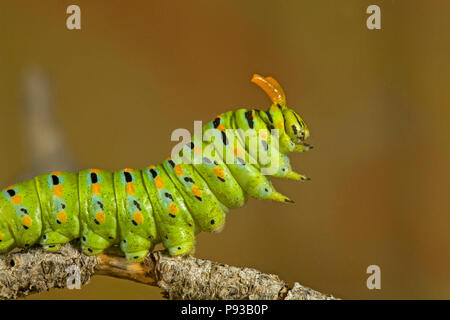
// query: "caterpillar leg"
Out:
[177,243]
[51,241]
[135,247]
[284,170]
[302,147]
[256,184]
[92,243]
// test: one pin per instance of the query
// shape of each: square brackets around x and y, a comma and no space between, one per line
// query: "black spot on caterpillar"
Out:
[55,180]
[269,116]
[224,138]
[249,117]
[216,122]
[153,172]
[188,179]
[94,178]
[138,206]
[128,177]
[168,195]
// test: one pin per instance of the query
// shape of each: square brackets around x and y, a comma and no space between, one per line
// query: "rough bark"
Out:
[35,270]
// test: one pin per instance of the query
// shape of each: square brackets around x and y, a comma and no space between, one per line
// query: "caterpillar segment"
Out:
[175,224]
[217,175]
[98,210]
[137,224]
[170,202]
[60,208]
[208,213]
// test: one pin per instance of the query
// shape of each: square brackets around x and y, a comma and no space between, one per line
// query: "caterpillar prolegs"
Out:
[170,202]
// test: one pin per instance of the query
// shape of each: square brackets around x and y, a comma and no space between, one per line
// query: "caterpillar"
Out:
[169,202]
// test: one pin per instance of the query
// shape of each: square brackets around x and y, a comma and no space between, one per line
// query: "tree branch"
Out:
[35,270]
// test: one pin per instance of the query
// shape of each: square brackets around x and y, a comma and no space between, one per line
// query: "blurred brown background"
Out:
[377,104]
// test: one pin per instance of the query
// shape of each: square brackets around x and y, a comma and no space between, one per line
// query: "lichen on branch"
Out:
[35,270]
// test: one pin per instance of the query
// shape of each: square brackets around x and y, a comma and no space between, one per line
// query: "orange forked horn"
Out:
[271,87]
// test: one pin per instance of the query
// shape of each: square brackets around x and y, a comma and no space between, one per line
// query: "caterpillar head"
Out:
[294,125]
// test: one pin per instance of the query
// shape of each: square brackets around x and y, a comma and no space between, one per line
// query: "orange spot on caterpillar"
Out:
[219,172]
[27,221]
[263,134]
[95,171]
[173,209]
[138,217]
[96,188]
[58,190]
[178,170]
[221,127]
[238,152]
[62,216]
[100,217]
[17,199]
[128,170]
[253,115]
[196,191]
[219,116]
[198,151]
[56,173]
[1,236]
[151,166]
[159,182]
[280,124]
[10,187]
[130,188]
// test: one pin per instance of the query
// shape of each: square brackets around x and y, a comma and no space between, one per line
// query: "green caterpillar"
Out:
[170,202]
